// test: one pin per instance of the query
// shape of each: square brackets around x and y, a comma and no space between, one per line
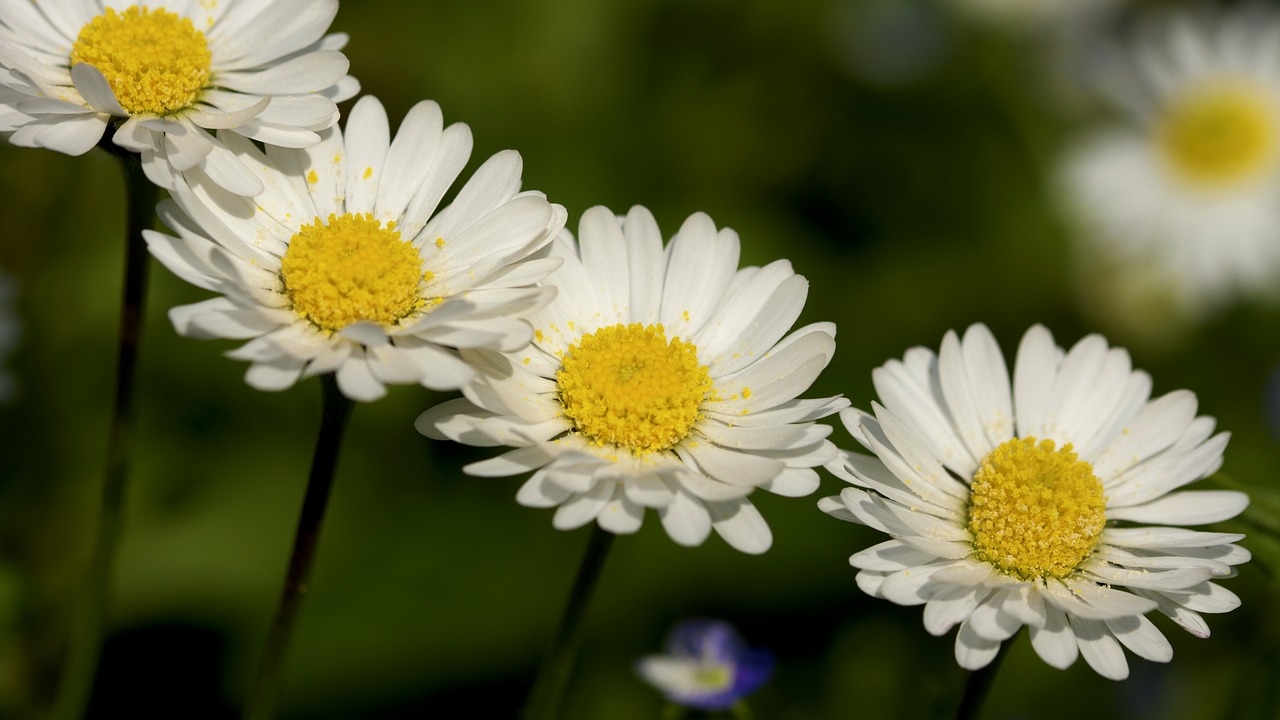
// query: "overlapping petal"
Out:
[752,430]
[479,292]
[944,413]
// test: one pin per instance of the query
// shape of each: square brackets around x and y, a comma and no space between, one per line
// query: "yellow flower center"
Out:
[628,385]
[156,61]
[1035,511]
[1219,135]
[712,677]
[352,269]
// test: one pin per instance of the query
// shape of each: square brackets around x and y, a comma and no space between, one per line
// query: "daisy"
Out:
[1050,505]
[1190,184]
[164,75]
[658,378]
[707,666]
[343,265]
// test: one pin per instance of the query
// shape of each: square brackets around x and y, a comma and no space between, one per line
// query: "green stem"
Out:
[89,621]
[333,422]
[557,664]
[979,685]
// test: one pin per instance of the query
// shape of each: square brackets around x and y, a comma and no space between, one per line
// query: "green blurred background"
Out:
[895,151]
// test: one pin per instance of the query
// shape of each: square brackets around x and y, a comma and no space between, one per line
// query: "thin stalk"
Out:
[557,664]
[335,412]
[89,621]
[979,685]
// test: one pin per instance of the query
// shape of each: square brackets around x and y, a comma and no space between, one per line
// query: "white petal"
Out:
[700,264]
[1189,507]
[1035,371]
[96,90]
[538,492]
[308,73]
[950,607]
[515,462]
[582,509]
[974,652]
[357,381]
[741,525]
[1100,649]
[1142,638]
[686,520]
[275,375]
[734,468]
[620,516]
[1054,642]
[368,136]
[646,262]
[794,482]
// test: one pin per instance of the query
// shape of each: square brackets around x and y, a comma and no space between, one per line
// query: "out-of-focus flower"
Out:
[10,331]
[659,378]
[1050,505]
[707,666]
[1189,187]
[344,265]
[171,73]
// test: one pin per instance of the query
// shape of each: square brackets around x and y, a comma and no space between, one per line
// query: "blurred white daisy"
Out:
[343,264]
[164,75]
[1050,504]
[658,378]
[1190,185]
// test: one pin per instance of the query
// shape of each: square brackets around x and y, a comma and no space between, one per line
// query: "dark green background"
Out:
[909,186]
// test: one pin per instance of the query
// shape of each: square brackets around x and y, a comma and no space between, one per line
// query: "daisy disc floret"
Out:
[1053,503]
[1187,184]
[347,263]
[170,80]
[660,378]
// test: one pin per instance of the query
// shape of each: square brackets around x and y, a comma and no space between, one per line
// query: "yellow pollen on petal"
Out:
[1219,135]
[156,61]
[1035,511]
[628,385]
[312,177]
[352,269]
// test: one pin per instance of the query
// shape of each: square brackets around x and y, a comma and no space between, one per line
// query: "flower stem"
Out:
[335,412]
[76,684]
[979,685]
[557,664]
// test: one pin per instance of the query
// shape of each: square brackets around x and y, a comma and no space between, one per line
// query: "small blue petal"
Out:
[718,648]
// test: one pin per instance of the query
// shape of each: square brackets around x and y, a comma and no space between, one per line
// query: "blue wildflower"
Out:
[707,666]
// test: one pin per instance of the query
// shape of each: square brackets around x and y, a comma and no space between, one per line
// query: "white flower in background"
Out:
[10,331]
[1050,504]
[658,378]
[343,264]
[1190,185]
[164,75]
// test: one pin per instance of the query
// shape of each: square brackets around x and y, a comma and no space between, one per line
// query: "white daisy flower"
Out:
[167,74]
[1190,185]
[1050,504]
[343,265]
[658,378]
